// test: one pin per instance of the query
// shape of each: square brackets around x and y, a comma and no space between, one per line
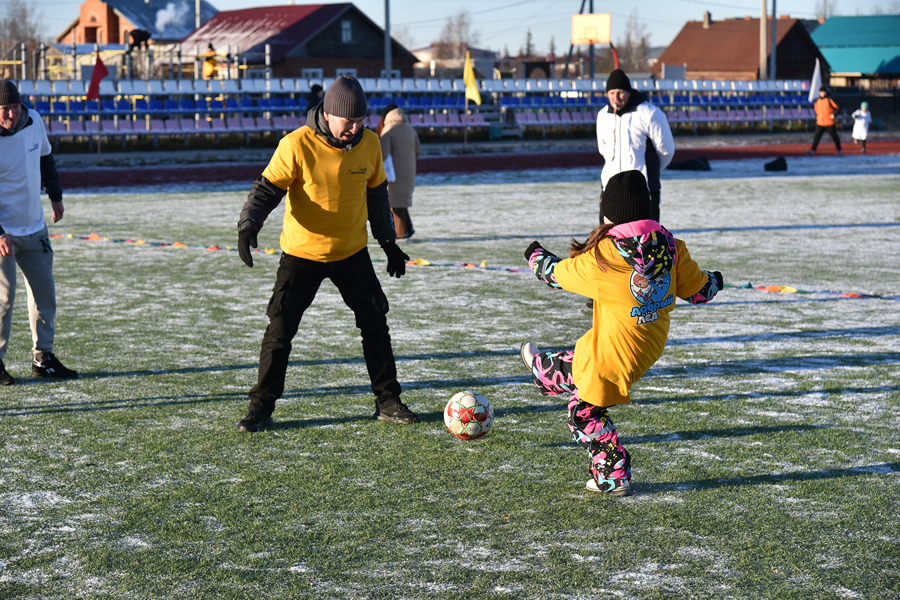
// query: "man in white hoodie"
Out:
[24,239]
[632,134]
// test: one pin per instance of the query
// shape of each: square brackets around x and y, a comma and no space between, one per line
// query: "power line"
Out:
[478,12]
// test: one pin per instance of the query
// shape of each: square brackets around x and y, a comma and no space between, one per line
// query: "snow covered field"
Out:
[764,441]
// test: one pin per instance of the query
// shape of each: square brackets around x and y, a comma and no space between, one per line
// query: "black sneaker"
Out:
[5,378]
[395,412]
[47,365]
[254,422]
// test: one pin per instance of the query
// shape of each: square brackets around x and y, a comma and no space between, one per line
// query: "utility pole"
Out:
[763,58]
[774,36]
[591,10]
[387,38]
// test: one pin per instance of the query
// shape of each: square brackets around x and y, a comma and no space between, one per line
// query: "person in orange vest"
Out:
[825,108]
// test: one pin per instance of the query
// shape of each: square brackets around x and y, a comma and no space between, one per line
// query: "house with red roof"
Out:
[729,49]
[313,40]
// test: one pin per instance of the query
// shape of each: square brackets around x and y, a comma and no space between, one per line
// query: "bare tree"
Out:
[552,47]
[634,48]
[825,9]
[403,37]
[456,37]
[21,24]
[893,8]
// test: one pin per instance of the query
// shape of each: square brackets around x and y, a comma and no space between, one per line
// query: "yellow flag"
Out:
[471,85]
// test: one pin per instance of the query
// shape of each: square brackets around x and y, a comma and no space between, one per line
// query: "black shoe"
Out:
[47,365]
[5,378]
[395,412]
[254,422]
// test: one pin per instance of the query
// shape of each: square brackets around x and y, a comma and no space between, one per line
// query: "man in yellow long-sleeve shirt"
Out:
[333,175]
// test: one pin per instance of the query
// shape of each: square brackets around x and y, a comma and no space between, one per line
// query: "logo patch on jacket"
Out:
[34,147]
[359,170]
[652,294]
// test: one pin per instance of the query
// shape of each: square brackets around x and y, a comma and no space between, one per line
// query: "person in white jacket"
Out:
[862,118]
[632,134]
[24,241]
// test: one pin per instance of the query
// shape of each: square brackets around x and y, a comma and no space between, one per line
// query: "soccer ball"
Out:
[468,415]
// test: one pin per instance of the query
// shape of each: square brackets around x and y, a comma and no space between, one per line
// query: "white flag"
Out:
[815,84]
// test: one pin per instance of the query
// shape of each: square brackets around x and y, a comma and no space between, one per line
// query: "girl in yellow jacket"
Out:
[632,268]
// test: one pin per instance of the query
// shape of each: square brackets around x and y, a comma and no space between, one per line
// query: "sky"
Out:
[502,24]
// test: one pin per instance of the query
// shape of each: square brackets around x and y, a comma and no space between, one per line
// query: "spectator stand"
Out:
[255,107]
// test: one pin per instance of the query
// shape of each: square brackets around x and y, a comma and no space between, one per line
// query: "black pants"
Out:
[654,206]
[296,285]
[832,131]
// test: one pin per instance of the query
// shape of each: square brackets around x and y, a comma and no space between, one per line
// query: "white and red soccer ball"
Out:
[468,415]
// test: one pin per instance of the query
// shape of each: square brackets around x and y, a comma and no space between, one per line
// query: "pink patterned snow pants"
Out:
[591,427]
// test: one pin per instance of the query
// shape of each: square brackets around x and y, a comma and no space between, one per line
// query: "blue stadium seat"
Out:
[42,107]
[140,106]
[247,105]
[156,106]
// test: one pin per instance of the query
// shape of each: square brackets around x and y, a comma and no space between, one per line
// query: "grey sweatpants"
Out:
[34,256]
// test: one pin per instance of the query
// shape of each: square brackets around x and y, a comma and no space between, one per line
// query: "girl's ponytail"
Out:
[592,243]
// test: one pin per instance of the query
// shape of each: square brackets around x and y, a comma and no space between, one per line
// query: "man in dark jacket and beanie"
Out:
[24,240]
[332,173]
[633,134]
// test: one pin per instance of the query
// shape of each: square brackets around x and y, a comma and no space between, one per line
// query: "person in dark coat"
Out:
[314,96]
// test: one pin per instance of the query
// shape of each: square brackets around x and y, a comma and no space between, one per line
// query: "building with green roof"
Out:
[863,51]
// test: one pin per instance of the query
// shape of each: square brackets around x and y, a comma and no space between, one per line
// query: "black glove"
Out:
[719,281]
[396,259]
[534,246]
[247,231]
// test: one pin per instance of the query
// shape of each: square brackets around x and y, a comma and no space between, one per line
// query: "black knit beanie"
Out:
[626,198]
[9,93]
[345,98]
[618,80]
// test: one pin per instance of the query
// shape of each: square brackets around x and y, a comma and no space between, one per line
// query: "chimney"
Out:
[707,20]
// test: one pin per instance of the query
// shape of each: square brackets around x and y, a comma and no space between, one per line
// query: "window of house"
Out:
[346,31]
